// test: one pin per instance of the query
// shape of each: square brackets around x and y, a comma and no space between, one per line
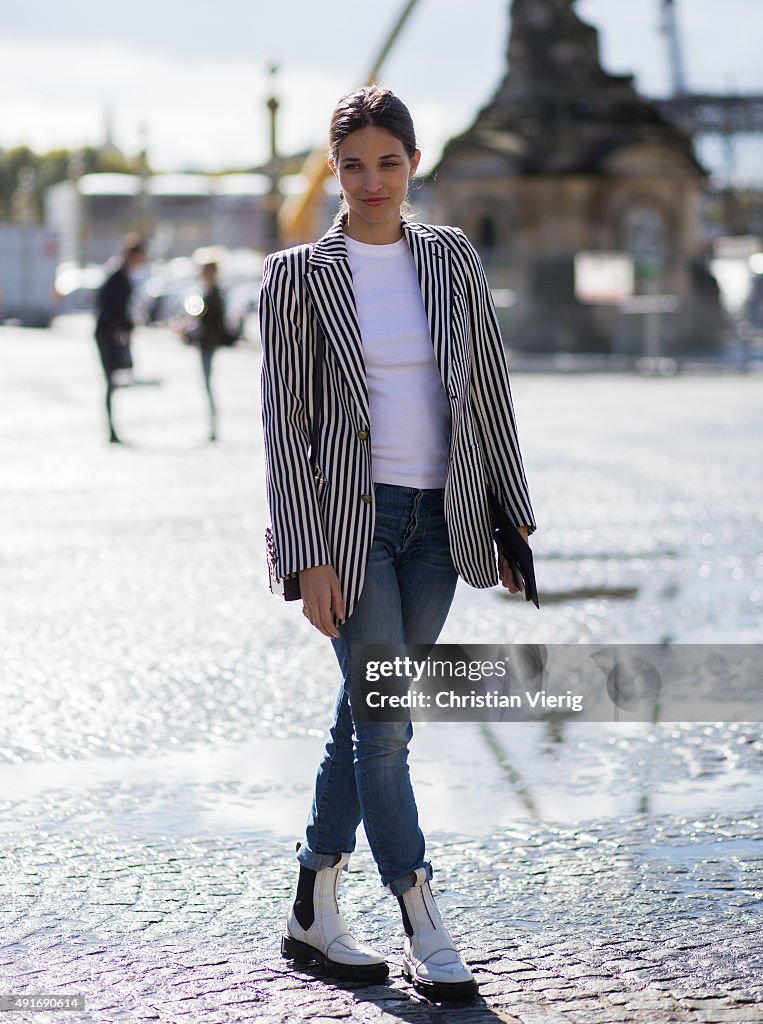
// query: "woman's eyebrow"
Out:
[387,156]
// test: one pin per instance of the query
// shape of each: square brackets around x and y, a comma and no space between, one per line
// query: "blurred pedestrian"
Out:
[115,323]
[209,332]
[414,423]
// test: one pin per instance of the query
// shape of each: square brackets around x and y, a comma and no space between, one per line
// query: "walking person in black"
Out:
[210,333]
[114,324]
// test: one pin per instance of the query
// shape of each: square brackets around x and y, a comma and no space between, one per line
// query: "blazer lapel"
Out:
[329,284]
[433,266]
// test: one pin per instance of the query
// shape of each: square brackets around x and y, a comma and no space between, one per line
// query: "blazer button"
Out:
[366,498]
[363,435]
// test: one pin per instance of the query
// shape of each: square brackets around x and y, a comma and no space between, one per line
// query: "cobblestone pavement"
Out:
[161,715]
[643,920]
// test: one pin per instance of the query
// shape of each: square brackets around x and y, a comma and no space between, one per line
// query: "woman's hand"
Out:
[505,573]
[322,601]
[507,576]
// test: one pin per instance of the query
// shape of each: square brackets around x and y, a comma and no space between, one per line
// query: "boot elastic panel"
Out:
[407,926]
[304,907]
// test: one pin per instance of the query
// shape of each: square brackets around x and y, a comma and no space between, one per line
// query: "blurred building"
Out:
[179,212]
[567,158]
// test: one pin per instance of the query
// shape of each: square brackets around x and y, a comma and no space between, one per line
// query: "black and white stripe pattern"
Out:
[330,518]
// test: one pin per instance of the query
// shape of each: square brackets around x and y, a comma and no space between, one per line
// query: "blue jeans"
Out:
[409,585]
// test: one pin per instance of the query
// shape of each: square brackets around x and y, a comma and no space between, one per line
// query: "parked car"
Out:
[166,289]
[172,289]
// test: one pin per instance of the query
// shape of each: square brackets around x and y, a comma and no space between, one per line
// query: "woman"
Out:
[416,422]
[114,322]
[209,333]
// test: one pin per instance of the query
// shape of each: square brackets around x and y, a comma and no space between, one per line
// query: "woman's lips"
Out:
[375,202]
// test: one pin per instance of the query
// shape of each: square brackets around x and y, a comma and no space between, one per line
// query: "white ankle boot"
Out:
[430,960]
[328,940]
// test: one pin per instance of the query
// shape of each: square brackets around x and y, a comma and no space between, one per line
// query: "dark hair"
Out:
[373,106]
[133,245]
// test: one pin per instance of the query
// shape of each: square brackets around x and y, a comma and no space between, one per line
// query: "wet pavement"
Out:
[162,713]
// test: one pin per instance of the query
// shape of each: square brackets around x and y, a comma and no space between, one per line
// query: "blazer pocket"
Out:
[474,453]
[460,305]
[468,450]
[458,380]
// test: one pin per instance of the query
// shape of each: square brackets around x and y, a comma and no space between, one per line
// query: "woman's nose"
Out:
[372,181]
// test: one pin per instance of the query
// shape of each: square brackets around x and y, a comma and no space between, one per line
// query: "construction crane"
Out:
[670,28]
[297,215]
[705,113]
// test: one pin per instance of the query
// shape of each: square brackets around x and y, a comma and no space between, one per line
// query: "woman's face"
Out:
[373,170]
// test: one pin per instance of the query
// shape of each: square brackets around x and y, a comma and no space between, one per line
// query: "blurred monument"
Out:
[565,159]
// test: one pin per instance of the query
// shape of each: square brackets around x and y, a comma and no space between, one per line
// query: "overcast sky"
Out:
[194,73]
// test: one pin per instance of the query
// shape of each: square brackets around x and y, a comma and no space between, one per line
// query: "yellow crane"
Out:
[297,214]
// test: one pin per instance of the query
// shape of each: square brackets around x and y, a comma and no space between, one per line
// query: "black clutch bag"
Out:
[514,548]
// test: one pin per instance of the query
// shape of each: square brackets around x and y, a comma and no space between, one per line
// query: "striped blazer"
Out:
[328,518]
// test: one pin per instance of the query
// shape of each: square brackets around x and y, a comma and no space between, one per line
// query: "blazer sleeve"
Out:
[491,397]
[298,531]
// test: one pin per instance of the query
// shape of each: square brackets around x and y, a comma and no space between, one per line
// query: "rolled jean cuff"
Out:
[400,885]
[318,861]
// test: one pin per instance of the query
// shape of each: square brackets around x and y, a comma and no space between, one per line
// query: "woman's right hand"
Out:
[322,601]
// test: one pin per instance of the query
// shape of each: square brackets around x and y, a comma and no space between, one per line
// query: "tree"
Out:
[22,166]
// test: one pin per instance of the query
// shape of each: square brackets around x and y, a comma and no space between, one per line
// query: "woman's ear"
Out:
[415,163]
[332,166]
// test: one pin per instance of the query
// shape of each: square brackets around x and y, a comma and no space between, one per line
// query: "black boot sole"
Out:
[442,992]
[301,953]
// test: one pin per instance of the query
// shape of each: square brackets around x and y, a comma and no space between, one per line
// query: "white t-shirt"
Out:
[410,415]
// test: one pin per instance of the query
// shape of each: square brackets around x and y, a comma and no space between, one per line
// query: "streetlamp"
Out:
[273,198]
[76,169]
[144,171]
